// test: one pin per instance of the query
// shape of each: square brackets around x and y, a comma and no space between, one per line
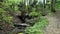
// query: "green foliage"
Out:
[57,5]
[6,17]
[1,10]
[34,13]
[38,27]
[11,5]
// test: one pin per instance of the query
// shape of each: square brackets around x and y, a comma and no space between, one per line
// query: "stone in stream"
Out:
[19,28]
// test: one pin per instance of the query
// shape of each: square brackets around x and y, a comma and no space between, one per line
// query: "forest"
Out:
[29,16]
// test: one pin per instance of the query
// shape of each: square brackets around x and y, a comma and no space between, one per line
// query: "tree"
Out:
[53,5]
[44,6]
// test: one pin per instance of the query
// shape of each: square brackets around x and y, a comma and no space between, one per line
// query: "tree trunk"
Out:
[53,5]
[44,6]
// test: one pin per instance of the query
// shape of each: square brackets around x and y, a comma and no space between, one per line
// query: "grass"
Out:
[38,26]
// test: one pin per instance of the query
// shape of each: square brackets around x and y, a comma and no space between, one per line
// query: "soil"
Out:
[53,26]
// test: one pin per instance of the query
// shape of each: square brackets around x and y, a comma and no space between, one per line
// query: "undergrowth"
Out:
[38,26]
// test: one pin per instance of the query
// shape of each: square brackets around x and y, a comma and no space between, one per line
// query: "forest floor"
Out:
[53,26]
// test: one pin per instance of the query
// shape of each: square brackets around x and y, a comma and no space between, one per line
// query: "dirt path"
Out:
[54,24]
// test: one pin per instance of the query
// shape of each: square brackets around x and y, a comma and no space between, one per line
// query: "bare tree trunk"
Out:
[44,6]
[53,5]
